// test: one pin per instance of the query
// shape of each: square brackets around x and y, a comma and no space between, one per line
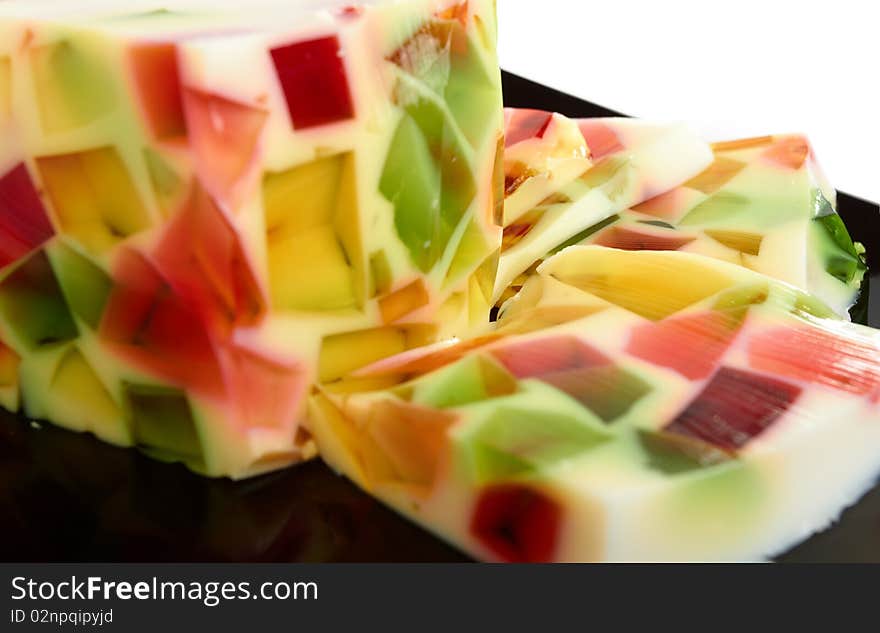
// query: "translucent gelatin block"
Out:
[629,406]
[564,178]
[764,204]
[205,207]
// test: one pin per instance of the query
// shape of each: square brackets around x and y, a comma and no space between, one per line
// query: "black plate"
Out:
[67,497]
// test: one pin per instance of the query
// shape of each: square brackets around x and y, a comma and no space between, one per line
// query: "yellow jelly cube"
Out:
[343,353]
[718,174]
[654,285]
[404,301]
[471,252]
[308,271]
[749,243]
[339,437]
[93,196]
[81,401]
[741,144]
[346,223]
[315,250]
[303,197]
[5,89]
[9,362]
[73,88]
[411,437]
[380,271]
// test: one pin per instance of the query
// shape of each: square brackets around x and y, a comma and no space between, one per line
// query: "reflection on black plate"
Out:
[68,497]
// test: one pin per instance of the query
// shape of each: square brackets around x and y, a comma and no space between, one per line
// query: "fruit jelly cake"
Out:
[205,208]
[629,405]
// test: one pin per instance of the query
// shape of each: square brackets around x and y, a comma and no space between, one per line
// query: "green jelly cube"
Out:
[163,423]
[448,62]
[672,454]
[844,260]
[471,93]
[471,252]
[427,178]
[471,380]
[73,86]
[514,441]
[737,301]
[614,175]
[85,285]
[722,207]
[607,390]
[411,181]
[805,304]
[32,304]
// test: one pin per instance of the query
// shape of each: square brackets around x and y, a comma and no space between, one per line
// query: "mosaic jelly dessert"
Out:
[564,177]
[629,406]
[763,203]
[205,208]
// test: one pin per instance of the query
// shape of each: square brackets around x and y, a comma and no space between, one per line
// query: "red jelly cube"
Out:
[225,137]
[631,239]
[533,359]
[266,392]
[24,224]
[516,523]
[579,370]
[735,407]
[606,390]
[202,257]
[350,12]
[690,344]
[600,138]
[154,68]
[828,358]
[790,152]
[667,205]
[314,82]
[522,125]
[155,328]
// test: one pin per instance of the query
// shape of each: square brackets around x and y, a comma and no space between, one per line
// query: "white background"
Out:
[730,68]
